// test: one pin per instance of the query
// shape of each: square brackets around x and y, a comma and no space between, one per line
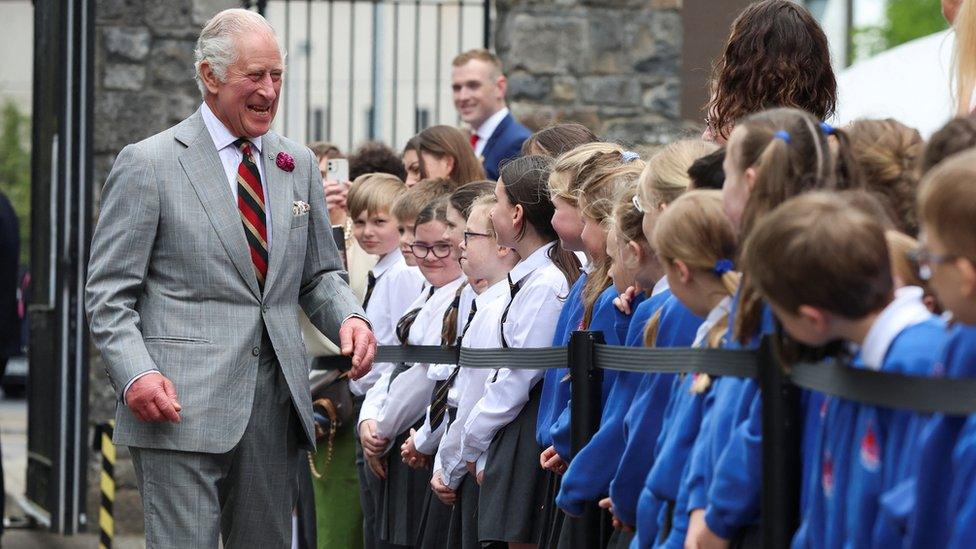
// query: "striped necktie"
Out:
[250,202]
[438,402]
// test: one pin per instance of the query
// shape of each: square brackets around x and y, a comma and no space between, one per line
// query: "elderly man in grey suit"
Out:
[211,234]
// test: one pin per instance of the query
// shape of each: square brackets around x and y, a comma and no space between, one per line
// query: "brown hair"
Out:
[410,203]
[665,176]
[566,178]
[375,157]
[776,56]
[707,172]
[695,229]
[959,134]
[947,203]
[322,149]
[602,176]
[464,196]
[887,153]
[479,54]
[817,250]
[373,193]
[444,141]
[557,139]
[790,153]
[525,180]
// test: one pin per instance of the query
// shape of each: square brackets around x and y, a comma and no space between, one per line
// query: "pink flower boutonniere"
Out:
[285,161]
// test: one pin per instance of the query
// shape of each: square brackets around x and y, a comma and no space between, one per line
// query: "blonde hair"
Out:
[627,219]
[484,201]
[947,203]
[564,181]
[374,193]
[695,230]
[899,247]
[964,56]
[665,176]
[480,54]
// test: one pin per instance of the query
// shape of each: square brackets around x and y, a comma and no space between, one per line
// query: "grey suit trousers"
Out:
[245,496]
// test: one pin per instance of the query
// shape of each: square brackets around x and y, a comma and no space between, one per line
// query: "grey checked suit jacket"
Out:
[171,285]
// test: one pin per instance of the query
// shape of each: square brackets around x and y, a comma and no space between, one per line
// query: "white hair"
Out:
[217,44]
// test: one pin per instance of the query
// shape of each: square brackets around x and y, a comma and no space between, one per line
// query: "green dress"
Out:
[339,517]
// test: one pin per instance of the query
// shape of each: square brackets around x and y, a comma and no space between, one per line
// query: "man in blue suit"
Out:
[479,96]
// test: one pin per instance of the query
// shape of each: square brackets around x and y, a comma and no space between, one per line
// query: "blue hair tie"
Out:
[827,128]
[722,266]
[784,135]
[629,156]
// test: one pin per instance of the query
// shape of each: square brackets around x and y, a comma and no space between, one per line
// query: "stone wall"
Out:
[612,65]
[144,84]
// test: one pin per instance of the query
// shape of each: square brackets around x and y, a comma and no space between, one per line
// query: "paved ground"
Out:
[13,439]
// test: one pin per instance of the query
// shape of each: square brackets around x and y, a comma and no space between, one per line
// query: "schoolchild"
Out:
[484,260]
[392,285]
[502,423]
[861,449]
[664,179]
[942,515]
[408,205]
[771,156]
[407,390]
[695,242]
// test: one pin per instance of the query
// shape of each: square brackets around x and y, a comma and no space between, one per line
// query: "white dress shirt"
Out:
[409,394]
[531,322]
[397,287]
[484,333]
[485,131]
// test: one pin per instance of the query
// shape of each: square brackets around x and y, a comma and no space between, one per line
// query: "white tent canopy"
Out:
[909,83]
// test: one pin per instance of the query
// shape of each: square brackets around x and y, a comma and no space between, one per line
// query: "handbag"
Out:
[332,407]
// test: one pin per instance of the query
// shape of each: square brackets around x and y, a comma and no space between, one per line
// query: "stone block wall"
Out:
[612,65]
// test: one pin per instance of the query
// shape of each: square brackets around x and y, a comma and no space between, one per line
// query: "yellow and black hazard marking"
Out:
[106,521]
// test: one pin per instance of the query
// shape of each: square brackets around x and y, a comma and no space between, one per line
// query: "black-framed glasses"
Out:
[924,259]
[440,251]
[469,234]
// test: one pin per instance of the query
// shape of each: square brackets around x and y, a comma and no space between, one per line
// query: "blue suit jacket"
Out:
[505,143]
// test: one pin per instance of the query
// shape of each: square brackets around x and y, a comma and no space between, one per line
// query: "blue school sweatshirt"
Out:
[943,498]
[555,394]
[643,420]
[589,475]
[607,319]
[884,452]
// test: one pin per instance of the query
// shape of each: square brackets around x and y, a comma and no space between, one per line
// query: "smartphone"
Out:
[337,170]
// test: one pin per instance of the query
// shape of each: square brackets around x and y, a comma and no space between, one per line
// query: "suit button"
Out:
[255,351]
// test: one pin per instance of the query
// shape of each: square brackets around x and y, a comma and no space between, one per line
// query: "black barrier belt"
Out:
[916,393]
[921,394]
[714,362]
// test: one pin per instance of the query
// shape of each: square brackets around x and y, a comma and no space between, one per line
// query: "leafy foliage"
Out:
[905,20]
[15,169]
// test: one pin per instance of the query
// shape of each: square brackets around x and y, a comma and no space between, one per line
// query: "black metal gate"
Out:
[371,69]
[57,431]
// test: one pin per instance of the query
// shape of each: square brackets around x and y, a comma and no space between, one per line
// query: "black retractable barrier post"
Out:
[586,410]
[780,451]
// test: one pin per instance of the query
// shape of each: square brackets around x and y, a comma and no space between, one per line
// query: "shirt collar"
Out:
[219,133]
[661,286]
[386,262]
[491,293]
[529,264]
[906,310]
[488,128]
[713,317]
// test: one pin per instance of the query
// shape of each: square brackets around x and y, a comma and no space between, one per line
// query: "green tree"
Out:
[905,20]
[15,169]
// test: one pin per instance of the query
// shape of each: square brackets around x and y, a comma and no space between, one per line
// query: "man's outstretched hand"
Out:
[356,339]
[152,398]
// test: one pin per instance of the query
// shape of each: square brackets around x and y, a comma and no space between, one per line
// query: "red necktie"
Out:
[250,202]
[474,141]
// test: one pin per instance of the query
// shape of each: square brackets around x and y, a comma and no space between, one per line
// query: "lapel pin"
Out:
[285,161]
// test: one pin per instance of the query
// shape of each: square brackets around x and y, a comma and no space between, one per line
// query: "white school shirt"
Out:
[906,310]
[716,314]
[397,286]
[531,322]
[409,394]
[484,333]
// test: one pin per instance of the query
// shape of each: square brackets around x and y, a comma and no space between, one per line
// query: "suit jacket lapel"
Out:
[281,196]
[207,176]
[495,135]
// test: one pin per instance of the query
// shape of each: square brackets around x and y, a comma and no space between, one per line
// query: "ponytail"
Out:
[566,261]
[848,169]
[651,328]
[964,56]
[449,326]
